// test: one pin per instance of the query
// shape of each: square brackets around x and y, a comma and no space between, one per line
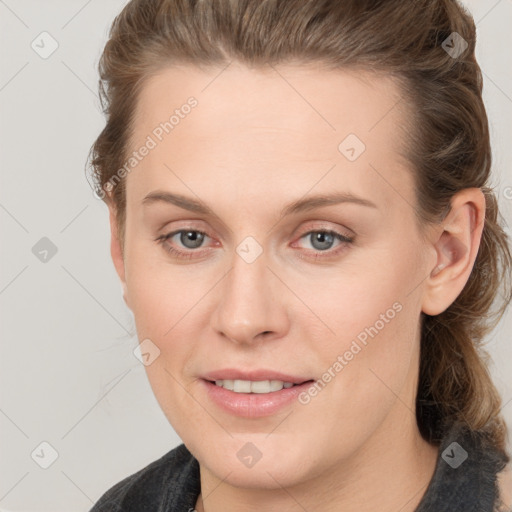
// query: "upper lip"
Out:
[253,375]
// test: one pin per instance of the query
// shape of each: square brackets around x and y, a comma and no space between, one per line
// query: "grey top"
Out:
[464,480]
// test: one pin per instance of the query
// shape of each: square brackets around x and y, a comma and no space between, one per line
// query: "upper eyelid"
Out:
[324,226]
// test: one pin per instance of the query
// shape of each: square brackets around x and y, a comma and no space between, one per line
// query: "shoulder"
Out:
[169,478]
[504,483]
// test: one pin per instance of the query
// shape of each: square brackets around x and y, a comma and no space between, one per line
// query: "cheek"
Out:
[163,308]
[359,301]
[160,293]
[169,316]
[363,370]
[372,312]
[374,331]
[167,302]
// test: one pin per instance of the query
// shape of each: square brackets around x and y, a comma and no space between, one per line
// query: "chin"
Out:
[275,473]
[253,462]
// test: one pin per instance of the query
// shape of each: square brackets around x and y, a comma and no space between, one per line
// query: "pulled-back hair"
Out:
[448,145]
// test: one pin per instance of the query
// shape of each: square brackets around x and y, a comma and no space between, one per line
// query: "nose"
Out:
[251,307]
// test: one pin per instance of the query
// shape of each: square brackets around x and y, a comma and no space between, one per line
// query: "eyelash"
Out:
[191,253]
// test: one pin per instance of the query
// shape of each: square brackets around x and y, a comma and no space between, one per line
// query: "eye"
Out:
[190,238]
[322,240]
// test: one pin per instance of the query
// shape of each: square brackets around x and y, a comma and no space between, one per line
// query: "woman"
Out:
[302,223]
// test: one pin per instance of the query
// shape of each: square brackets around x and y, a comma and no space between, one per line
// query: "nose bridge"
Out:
[248,306]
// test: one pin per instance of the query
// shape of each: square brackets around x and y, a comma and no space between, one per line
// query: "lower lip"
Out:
[253,405]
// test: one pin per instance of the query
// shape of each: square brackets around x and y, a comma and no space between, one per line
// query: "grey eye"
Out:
[321,240]
[191,239]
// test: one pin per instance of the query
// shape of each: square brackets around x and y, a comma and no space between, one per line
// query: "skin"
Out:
[252,146]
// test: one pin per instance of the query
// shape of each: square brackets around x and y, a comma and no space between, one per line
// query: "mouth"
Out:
[255,386]
[253,394]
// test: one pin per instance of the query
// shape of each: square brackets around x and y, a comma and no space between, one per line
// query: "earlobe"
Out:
[456,248]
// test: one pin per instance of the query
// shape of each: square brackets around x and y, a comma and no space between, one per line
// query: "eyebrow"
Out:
[301,205]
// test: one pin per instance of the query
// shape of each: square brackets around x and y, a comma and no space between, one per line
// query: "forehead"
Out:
[273,128]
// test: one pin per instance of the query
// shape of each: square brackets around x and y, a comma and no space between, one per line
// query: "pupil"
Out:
[193,236]
[322,237]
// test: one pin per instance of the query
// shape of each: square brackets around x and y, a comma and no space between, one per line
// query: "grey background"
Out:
[68,375]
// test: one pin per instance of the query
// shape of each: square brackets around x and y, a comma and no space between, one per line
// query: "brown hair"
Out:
[448,146]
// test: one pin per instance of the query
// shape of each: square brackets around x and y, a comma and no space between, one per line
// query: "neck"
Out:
[390,472]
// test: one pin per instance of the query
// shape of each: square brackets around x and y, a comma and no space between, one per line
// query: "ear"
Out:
[456,241]
[116,251]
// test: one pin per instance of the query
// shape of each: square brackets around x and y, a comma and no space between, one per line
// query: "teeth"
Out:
[242,386]
[253,386]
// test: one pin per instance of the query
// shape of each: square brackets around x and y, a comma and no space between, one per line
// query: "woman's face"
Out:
[266,293]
